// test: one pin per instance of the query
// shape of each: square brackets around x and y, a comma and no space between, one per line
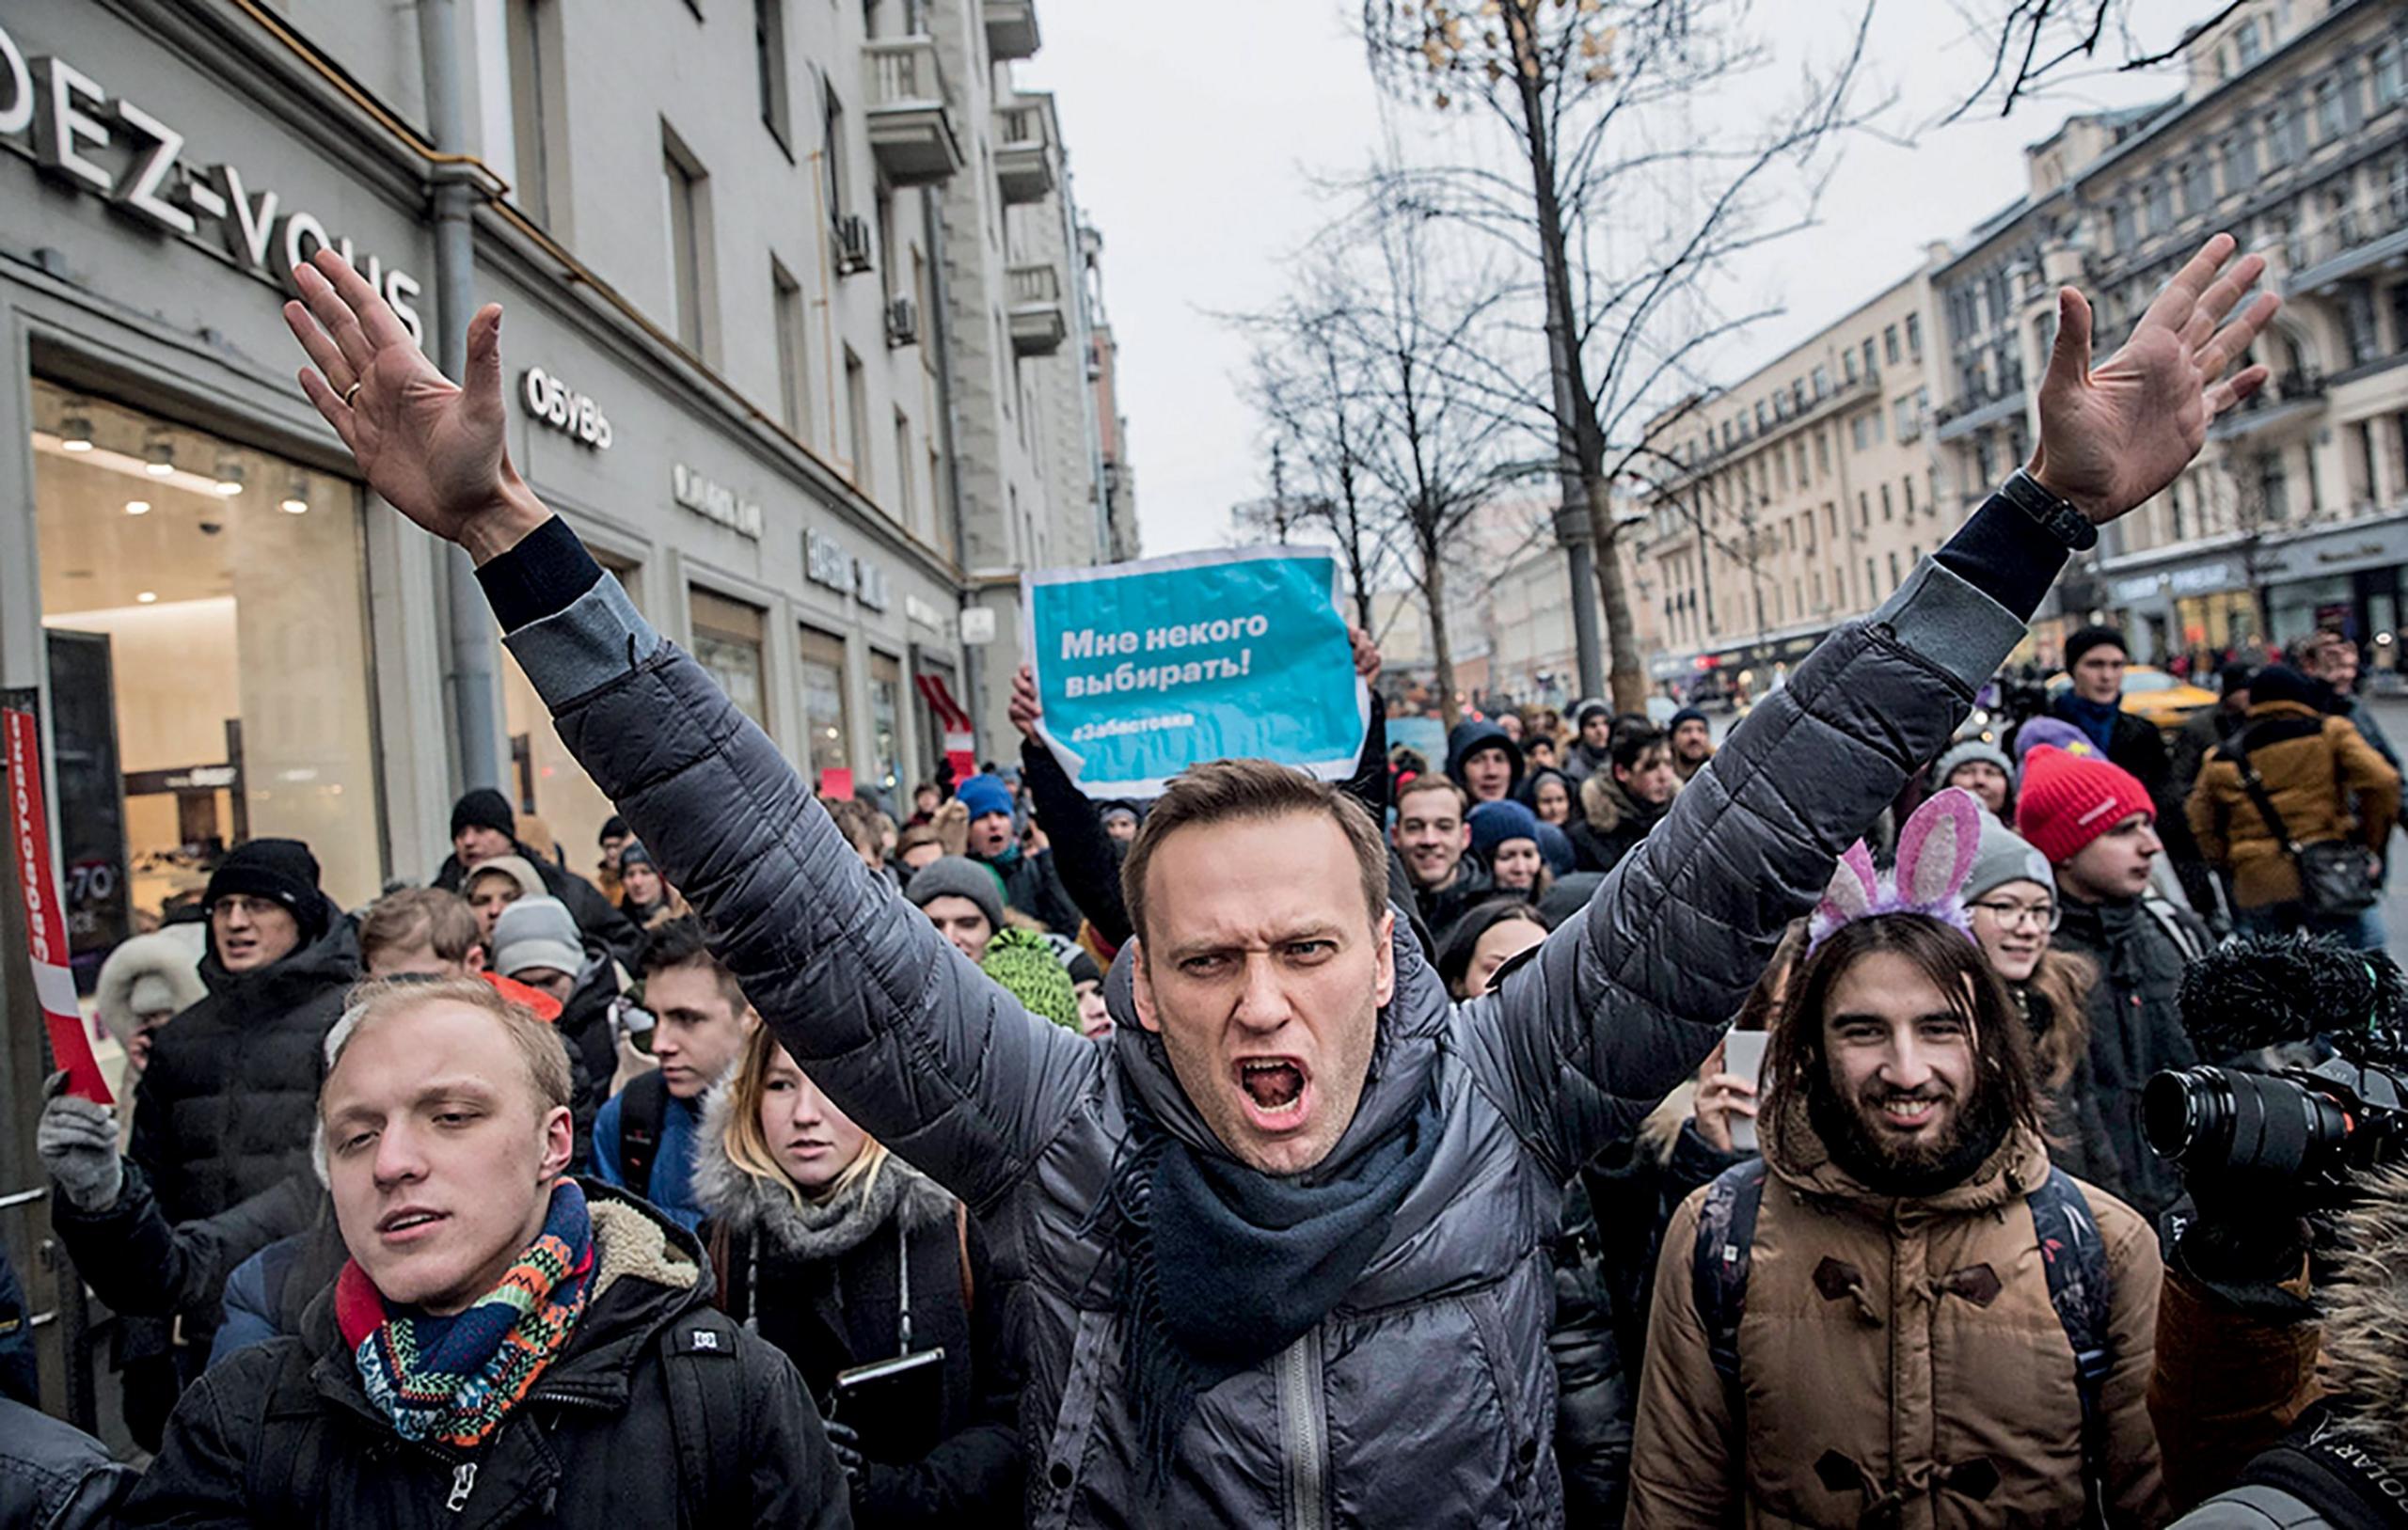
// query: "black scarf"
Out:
[1221,1266]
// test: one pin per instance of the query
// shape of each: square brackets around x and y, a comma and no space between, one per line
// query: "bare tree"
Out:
[1623,208]
[2038,43]
[1370,372]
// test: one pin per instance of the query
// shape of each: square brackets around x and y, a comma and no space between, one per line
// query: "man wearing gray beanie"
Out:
[962,899]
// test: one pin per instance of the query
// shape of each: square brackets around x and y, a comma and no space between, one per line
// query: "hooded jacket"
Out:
[1469,738]
[1900,1363]
[284,1434]
[831,1313]
[169,956]
[1609,823]
[2228,1382]
[1423,1395]
[225,1108]
[2326,780]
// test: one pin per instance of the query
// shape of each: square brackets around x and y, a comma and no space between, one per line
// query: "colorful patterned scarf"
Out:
[455,1379]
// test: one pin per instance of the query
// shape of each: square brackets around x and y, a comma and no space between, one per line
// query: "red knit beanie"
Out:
[2067,800]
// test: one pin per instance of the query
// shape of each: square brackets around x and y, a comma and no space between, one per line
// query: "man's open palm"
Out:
[2111,438]
[432,448]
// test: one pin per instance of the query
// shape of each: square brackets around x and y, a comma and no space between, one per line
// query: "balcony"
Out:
[1037,323]
[1011,28]
[2355,245]
[1023,152]
[1960,418]
[910,129]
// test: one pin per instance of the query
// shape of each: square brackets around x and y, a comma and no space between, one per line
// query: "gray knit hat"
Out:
[537,932]
[959,876]
[2000,858]
[1967,752]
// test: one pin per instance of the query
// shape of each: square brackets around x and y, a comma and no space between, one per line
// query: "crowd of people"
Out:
[1612,1128]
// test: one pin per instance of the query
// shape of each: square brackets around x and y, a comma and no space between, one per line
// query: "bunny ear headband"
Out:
[1935,856]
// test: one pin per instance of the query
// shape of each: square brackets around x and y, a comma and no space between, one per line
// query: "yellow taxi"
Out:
[2151,695]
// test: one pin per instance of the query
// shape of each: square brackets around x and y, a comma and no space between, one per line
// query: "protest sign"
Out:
[1144,669]
[71,1045]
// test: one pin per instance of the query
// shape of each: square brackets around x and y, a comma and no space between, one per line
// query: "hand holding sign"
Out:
[1142,670]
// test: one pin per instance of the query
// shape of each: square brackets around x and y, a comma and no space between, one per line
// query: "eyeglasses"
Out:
[2039,916]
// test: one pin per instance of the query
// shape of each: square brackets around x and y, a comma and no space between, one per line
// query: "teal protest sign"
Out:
[1144,669]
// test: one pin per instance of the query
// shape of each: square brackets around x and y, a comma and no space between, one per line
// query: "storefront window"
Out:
[727,642]
[206,612]
[828,730]
[886,725]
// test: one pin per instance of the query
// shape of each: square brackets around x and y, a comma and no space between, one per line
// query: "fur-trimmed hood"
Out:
[2366,1321]
[750,1206]
[169,958]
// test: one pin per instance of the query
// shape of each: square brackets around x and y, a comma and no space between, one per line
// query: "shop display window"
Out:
[205,608]
[827,721]
[727,642]
[886,724]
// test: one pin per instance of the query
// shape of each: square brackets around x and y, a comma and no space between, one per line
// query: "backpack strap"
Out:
[1726,1238]
[2169,919]
[644,1111]
[707,1417]
[2080,1290]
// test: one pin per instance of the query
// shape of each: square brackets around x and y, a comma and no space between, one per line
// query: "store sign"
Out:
[574,415]
[2205,580]
[2132,591]
[715,502]
[108,146]
[921,614]
[827,561]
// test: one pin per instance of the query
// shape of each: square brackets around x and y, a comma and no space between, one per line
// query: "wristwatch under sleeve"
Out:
[2055,515]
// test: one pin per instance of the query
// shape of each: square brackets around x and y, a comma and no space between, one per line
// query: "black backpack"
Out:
[643,1110]
[2071,1248]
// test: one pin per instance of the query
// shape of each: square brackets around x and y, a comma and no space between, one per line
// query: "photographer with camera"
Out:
[2295,1153]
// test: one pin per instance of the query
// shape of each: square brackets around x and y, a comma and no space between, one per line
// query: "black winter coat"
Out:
[2135,1025]
[831,1313]
[282,1433]
[53,1476]
[140,1262]
[2074,1122]
[227,1106]
[596,917]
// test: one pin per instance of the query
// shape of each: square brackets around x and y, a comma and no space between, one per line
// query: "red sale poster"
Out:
[45,930]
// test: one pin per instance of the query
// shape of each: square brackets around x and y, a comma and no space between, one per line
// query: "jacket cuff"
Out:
[598,638]
[2005,555]
[1951,623]
[540,578]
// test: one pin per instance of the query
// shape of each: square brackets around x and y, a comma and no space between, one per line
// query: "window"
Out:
[831,148]
[907,510]
[1906,488]
[1906,425]
[1894,569]
[1887,513]
[769,67]
[886,725]
[204,689]
[2390,72]
[2337,105]
[1856,433]
[1863,509]
[1781,469]
[727,644]
[794,361]
[2198,187]
[2160,201]
[856,420]
[1890,344]
[2120,227]
[2251,41]
[1915,336]
[1848,364]
[2240,152]
[1822,382]
[2286,136]
[686,193]
[532,36]
[1868,356]
[1823,442]
[825,724]
[1872,579]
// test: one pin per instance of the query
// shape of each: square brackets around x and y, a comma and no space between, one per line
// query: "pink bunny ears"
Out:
[1935,856]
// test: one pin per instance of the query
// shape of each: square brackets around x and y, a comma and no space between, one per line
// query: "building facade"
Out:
[1790,501]
[773,343]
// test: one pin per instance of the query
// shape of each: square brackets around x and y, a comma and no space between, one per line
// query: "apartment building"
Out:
[1794,499]
[2290,131]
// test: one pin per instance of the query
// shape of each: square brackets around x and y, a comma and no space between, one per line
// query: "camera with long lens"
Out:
[2316,1128]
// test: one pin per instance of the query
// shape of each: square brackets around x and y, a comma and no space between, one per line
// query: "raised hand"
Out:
[432,448]
[2113,438]
[1026,713]
[1367,654]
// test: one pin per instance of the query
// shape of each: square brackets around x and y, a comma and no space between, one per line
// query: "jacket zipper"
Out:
[1302,1435]
[464,1481]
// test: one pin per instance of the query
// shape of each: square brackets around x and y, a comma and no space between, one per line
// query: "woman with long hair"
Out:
[2011,898]
[843,1256]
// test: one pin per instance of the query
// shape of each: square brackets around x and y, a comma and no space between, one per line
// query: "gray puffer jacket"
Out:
[1425,1397]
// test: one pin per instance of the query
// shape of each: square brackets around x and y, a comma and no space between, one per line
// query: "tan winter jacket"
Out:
[2326,783]
[1893,1354]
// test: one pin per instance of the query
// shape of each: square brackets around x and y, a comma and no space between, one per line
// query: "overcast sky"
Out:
[1194,134]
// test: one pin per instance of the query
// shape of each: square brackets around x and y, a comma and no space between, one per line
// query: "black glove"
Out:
[847,1443]
[2244,1242]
